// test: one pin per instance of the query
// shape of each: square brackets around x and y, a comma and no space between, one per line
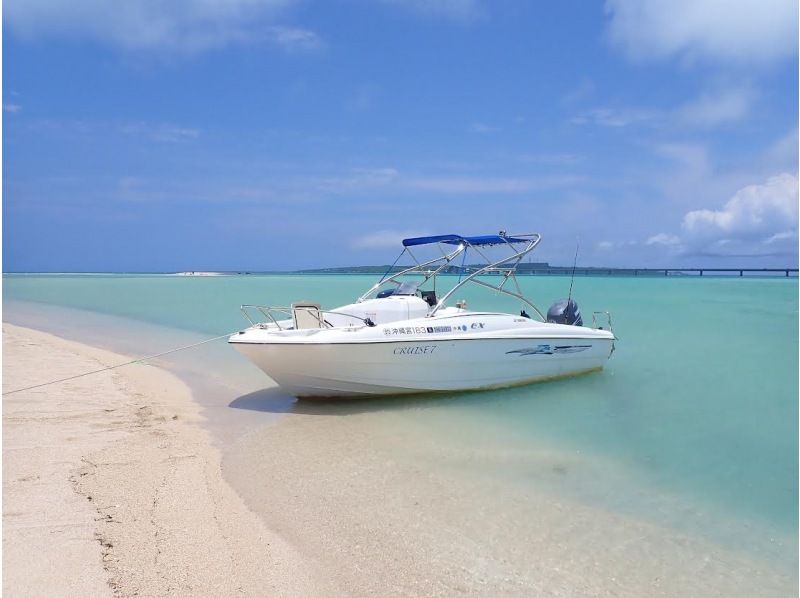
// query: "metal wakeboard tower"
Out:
[519,246]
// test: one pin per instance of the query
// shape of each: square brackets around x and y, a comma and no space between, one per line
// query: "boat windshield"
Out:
[404,288]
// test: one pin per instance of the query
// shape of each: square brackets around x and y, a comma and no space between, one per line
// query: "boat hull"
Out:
[390,367]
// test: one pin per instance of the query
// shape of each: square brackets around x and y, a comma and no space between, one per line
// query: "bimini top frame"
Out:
[519,245]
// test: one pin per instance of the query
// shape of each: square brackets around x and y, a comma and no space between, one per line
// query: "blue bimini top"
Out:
[458,239]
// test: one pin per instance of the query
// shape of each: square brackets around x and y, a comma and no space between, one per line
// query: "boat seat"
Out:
[307,315]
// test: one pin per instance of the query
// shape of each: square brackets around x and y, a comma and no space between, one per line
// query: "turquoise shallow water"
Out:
[698,406]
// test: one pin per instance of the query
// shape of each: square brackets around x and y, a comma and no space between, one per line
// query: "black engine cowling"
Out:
[565,311]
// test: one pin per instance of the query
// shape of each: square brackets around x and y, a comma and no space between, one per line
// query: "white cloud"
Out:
[718,107]
[607,246]
[733,31]
[757,220]
[756,211]
[786,235]
[663,239]
[12,108]
[178,25]
[385,238]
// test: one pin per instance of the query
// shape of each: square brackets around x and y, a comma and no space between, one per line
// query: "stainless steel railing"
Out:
[609,325]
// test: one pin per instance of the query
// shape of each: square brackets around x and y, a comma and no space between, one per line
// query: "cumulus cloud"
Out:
[179,25]
[730,31]
[12,108]
[383,239]
[757,220]
[754,211]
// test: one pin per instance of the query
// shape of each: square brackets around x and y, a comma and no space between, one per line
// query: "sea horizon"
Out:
[556,270]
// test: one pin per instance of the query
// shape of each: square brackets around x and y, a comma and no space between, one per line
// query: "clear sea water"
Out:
[694,422]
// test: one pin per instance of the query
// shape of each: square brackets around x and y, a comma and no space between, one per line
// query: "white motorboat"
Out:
[402,337]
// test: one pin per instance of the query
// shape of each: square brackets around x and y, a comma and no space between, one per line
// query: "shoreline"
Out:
[113,477]
[368,501]
[392,510]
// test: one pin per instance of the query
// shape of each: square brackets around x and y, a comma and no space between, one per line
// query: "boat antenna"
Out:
[574,263]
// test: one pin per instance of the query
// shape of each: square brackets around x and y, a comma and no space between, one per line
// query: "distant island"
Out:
[523,269]
[545,269]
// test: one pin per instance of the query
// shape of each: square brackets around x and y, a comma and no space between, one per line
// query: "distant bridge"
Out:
[786,272]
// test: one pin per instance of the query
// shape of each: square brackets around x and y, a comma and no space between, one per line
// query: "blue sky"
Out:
[264,134]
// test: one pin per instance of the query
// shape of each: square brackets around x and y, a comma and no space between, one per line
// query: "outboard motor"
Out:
[565,311]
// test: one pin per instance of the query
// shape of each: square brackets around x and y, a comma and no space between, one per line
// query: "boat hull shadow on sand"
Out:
[407,340]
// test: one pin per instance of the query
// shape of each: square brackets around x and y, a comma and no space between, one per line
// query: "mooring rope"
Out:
[119,365]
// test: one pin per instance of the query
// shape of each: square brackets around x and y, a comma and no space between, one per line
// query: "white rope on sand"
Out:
[119,365]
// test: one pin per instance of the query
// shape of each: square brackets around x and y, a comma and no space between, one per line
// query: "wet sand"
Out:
[383,507]
[112,487]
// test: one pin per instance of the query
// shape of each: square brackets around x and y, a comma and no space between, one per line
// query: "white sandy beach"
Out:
[110,487]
